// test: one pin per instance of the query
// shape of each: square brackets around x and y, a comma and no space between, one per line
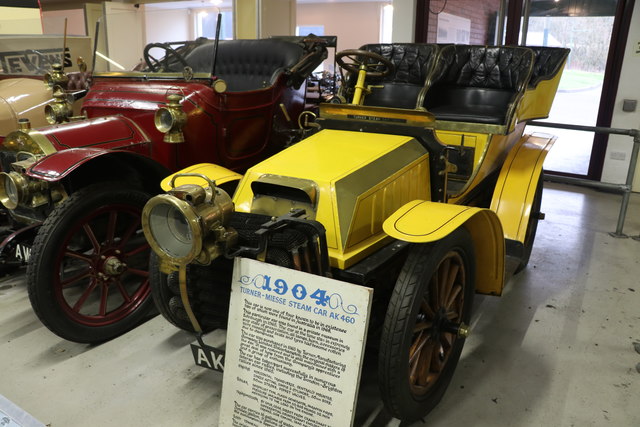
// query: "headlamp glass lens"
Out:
[10,188]
[171,230]
[164,120]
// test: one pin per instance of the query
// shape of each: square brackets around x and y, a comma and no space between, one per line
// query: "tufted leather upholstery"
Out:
[548,61]
[412,62]
[77,80]
[478,84]
[247,64]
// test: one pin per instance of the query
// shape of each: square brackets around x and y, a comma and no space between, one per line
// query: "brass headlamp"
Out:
[189,223]
[171,119]
[18,189]
[56,77]
[13,188]
[60,109]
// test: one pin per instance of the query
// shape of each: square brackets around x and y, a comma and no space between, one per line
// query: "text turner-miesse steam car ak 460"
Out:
[79,186]
[421,189]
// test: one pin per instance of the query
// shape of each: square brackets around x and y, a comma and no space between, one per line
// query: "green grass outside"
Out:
[575,79]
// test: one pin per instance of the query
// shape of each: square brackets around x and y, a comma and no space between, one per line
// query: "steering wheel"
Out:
[376,65]
[163,64]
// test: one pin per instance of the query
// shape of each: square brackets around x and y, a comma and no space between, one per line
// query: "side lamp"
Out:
[56,77]
[171,119]
[60,109]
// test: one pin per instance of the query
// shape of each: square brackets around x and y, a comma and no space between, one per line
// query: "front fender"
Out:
[220,175]
[425,222]
[61,164]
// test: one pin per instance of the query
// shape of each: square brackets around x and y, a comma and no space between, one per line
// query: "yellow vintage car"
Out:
[423,188]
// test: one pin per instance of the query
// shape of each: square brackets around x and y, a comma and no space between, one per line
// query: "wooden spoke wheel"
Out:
[426,324]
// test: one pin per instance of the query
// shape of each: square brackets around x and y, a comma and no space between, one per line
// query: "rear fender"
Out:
[220,175]
[517,183]
[425,222]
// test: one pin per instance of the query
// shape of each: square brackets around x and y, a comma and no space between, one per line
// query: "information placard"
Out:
[294,348]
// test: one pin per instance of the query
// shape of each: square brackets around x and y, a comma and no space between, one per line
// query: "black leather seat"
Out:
[404,87]
[247,64]
[478,84]
[548,60]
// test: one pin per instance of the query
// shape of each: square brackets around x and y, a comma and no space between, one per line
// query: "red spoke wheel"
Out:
[88,276]
[425,325]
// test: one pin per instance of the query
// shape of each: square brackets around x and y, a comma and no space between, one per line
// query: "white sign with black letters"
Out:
[294,348]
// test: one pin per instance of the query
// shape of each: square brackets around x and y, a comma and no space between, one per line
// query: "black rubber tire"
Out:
[208,288]
[532,226]
[51,266]
[164,297]
[412,286]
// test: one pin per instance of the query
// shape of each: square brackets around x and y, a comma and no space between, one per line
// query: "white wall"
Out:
[20,20]
[404,21]
[168,25]
[53,22]
[615,171]
[355,24]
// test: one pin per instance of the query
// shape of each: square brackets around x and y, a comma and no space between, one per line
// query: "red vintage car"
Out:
[78,187]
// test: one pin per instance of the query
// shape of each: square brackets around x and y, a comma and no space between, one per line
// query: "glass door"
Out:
[586,27]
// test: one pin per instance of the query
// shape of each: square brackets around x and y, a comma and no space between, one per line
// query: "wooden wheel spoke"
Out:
[77,255]
[417,345]
[426,308]
[123,291]
[436,361]
[453,276]
[137,250]
[92,237]
[71,280]
[135,224]
[443,281]
[434,287]
[83,298]
[422,326]
[424,363]
[111,227]
[456,291]
[137,272]
[452,314]
[104,298]
[446,340]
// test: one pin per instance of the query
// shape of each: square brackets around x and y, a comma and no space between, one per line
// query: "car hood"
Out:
[22,98]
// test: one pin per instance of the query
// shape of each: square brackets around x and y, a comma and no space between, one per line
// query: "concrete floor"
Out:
[556,349]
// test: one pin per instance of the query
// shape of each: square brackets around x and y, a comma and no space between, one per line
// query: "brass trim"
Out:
[470,127]
[193,222]
[369,114]
[32,141]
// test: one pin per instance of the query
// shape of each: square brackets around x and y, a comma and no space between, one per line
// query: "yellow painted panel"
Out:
[216,173]
[377,204]
[329,155]
[536,102]
[491,158]
[424,222]
[516,186]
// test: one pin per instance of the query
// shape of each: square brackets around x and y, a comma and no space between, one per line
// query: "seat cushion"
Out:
[470,104]
[412,63]
[247,64]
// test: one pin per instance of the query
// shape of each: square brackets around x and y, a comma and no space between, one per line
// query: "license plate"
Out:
[23,252]
[208,357]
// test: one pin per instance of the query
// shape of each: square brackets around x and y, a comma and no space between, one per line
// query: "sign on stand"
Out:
[294,348]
